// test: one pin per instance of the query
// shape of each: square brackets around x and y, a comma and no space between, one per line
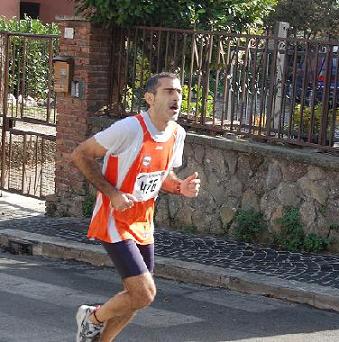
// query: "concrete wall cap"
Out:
[70,18]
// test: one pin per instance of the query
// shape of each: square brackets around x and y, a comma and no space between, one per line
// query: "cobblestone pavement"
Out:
[307,268]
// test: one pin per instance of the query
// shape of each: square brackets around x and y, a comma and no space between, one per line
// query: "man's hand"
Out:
[122,201]
[190,186]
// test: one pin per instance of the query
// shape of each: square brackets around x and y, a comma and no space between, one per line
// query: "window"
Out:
[31,9]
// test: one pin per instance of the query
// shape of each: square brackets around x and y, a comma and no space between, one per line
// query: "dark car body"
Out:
[311,87]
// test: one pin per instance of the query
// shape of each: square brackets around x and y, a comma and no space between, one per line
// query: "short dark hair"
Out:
[153,82]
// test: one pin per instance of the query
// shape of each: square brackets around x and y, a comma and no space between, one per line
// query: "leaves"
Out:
[292,236]
[249,225]
[232,15]
[310,17]
[27,25]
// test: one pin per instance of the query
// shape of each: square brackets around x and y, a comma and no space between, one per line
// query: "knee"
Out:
[143,297]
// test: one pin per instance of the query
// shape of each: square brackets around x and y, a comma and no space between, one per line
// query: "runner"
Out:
[139,154]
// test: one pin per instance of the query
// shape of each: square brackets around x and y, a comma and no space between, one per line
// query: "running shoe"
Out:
[87,331]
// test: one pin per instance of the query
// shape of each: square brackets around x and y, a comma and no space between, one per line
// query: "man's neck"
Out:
[160,125]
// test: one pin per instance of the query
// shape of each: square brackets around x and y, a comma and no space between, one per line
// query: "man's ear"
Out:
[149,98]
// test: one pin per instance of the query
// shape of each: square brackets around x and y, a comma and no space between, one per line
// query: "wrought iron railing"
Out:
[258,86]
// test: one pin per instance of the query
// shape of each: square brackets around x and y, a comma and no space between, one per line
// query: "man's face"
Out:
[166,102]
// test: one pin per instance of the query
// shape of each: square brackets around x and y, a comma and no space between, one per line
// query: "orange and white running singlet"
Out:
[142,177]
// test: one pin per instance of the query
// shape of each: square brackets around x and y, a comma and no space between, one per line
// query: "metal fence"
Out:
[258,86]
[27,113]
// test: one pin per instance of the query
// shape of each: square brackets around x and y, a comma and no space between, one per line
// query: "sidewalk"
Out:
[302,278]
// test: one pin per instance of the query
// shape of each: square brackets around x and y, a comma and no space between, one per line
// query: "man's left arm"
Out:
[188,187]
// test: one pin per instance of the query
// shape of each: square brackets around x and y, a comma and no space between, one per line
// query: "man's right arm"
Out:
[84,157]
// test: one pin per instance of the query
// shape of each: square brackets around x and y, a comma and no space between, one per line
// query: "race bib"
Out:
[147,185]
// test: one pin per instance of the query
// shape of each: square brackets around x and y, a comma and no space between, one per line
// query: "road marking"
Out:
[49,293]
[323,336]
[30,329]
[156,318]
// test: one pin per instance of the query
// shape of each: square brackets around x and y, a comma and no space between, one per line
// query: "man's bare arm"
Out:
[84,157]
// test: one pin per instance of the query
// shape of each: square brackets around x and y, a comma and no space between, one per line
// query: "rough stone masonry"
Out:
[239,174]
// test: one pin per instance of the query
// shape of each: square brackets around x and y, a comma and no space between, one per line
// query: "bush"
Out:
[249,225]
[315,243]
[196,102]
[27,25]
[292,236]
[306,120]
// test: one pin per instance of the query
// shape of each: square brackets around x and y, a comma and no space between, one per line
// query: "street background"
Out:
[39,298]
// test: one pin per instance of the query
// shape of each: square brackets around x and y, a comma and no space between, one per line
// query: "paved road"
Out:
[39,296]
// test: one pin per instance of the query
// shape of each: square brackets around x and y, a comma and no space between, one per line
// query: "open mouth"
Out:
[174,107]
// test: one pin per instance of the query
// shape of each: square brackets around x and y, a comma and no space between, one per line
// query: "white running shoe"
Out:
[87,331]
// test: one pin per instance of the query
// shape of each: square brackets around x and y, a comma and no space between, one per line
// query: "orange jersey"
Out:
[143,179]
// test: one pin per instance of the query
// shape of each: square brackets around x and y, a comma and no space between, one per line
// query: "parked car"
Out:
[296,89]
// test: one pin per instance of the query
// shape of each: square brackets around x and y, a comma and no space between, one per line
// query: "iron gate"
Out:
[27,113]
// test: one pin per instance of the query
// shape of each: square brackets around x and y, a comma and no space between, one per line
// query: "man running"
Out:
[139,155]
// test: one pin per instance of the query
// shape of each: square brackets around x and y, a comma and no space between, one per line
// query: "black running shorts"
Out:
[129,258]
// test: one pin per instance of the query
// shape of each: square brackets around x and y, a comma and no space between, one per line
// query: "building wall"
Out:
[9,8]
[49,9]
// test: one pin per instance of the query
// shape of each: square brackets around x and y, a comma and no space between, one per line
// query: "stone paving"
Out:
[307,268]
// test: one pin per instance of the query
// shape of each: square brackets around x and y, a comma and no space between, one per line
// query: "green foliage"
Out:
[27,25]
[310,18]
[196,102]
[232,15]
[249,225]
[306,122]
[134,93]
[307,118]
[36,56]
[88,205]
[292,236]
[189,229]
[315,243]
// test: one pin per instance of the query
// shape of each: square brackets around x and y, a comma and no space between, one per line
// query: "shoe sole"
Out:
[79,322]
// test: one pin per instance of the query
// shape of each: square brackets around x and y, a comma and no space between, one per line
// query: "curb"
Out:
[21,242]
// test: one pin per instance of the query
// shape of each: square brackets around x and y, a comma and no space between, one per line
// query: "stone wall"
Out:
[238,174]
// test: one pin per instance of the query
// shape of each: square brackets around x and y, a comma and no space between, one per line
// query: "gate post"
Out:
[4,108]
[90,47]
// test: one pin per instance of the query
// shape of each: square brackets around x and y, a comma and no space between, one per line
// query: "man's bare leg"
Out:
[114,326]
[117,312]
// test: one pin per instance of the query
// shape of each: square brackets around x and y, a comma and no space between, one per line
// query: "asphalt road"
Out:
[39,298]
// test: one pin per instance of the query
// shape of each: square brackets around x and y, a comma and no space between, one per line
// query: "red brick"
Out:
[91,49]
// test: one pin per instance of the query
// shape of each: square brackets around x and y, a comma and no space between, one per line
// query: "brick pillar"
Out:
[90,49]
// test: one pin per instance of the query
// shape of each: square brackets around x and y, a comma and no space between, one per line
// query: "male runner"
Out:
[139,155]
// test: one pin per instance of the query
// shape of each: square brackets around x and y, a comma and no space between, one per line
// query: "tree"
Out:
[311,18]
[231,15]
